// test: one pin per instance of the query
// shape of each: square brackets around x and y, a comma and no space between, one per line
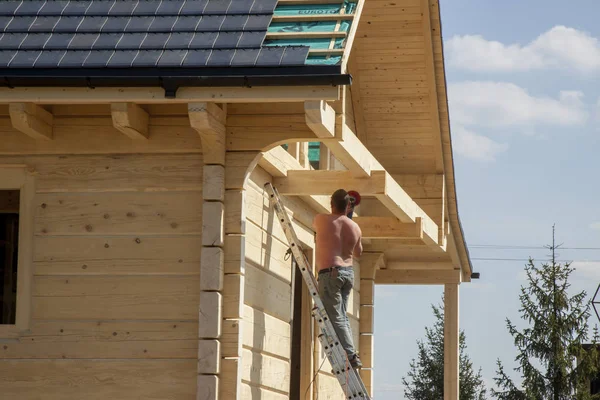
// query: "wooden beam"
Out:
[312,17]
[300,183]
[420,265]
[451,342]
[352,34]
[305,35]
[389,228]
[130,119]
[432,86]
[32,120]
[417,277]
[380,184]
[209,120]
[258,94]
[350,151]
[320,118]
[370,263]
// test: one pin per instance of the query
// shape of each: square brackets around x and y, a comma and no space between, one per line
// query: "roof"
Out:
[202,41]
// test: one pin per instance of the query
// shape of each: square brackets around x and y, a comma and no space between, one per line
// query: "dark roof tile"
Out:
[147,7]
[123,58]
[263,7]
[220,58]
[217,6]
[83,41]
[98,58]
[92,24]
[53,8]
[193,7]
[245,57]
[270,56]
[240,7]
[76,8]
[29,7]
[24,59]
[74,59]
[59,41]
[180,40]
[6,57]
[68,24]
[49,59]
[12,41]
[204,40]
[294,56]
[227,40]
[44,24]
[147,58]
[35,41]
[155,41]
[140,33]
[196,58]
[172,58]
[123,8]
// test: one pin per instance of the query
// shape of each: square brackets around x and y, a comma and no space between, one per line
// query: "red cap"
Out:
[354,194]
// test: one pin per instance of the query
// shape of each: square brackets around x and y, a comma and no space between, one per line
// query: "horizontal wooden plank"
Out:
[119,213]
[151,349]
[122,297]
[92,255]
[266,371]
[256,392]
[267,293]
[68,139]
[417,277]
[266,334]
[329,388]
[98,380]
[268,253]
[115,172]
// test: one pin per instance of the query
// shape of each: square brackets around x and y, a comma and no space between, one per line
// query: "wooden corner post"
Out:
[451,341]
[369,263]
[208,119]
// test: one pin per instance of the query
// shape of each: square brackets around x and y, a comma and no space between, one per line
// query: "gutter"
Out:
[172,79]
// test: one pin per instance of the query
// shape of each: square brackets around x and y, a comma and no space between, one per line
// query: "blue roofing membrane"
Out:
[141,33]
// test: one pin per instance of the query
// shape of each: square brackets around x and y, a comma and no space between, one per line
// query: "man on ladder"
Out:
[338,241]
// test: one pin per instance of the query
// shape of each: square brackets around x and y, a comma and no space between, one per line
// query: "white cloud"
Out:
[586,270]
[559,47]
[595,226]
[502,104]
[474,146]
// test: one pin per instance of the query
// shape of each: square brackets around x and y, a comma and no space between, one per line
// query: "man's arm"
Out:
[358,248]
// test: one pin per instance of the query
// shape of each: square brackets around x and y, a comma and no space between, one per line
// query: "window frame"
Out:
[20,177]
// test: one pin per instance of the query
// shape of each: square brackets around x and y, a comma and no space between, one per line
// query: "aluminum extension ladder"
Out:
[348,377]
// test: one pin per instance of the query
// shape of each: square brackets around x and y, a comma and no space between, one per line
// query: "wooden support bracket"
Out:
[32,120]
[320,118]
[209,120]
[130,119]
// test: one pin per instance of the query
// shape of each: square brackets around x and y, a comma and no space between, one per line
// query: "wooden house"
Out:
[140,257]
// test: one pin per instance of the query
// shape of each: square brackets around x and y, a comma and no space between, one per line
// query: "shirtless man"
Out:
[338,240]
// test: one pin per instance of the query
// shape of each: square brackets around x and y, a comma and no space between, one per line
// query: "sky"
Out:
[524,99]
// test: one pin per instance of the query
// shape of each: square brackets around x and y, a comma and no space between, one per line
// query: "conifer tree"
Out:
[426,376]
[552,360]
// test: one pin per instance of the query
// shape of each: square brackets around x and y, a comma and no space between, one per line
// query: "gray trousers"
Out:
[334,292]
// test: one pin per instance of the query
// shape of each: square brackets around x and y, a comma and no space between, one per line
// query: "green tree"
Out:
[425,379]
[551,359]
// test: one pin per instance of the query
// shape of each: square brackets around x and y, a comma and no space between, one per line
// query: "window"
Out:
[9,255]
[16,237]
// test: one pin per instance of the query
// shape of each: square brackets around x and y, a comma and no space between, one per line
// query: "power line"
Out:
[525,259]
[515,247]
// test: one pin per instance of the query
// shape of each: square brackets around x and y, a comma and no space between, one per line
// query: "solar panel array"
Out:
[140,33]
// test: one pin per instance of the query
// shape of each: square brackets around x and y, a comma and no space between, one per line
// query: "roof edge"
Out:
[173,79]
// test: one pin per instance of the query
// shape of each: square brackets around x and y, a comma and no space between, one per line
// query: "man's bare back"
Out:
[337,240]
